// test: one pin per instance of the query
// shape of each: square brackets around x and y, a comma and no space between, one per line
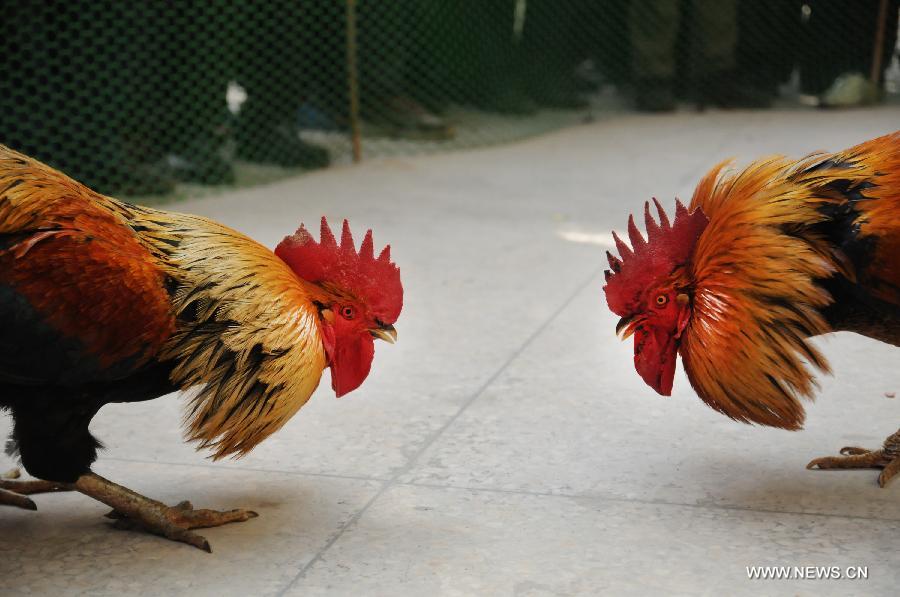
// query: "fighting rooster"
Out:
[761,261]
[103,301]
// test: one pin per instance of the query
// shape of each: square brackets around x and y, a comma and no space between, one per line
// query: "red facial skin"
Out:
[645,286]
[359,297]
[349,346]
[657,334]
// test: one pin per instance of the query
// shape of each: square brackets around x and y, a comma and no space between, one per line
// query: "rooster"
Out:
[761,261]
[103,301]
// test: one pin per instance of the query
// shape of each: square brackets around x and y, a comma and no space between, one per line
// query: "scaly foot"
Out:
[13,493]
[887,459]
[134,511]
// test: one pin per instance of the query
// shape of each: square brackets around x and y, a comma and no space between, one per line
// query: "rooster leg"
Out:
[887,458]
[132,510]
[13,493]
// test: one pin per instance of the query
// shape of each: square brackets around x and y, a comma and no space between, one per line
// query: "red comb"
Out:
[374,281]
[646,261]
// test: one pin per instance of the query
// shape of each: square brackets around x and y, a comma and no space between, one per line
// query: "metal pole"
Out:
[353,80]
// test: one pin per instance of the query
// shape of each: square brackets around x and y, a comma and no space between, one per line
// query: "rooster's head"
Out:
[361,297]
[649,289]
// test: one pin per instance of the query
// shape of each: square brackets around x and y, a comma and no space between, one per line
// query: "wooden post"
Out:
[878,51]
[353,80]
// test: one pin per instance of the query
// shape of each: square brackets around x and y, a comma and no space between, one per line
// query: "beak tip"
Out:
[622,327]
[386,333]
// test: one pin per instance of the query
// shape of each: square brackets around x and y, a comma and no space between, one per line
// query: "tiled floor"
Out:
[505,446]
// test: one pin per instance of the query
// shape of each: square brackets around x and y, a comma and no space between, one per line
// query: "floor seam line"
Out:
[434,436]
[251,470]
[648,502]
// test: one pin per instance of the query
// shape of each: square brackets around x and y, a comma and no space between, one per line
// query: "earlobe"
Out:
[684,314]
[328,336]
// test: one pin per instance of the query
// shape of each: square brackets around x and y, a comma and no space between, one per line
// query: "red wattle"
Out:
[655,357]
[351,362]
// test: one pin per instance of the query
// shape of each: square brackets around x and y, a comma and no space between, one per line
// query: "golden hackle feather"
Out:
[248,335]
[755,271]
[755,298]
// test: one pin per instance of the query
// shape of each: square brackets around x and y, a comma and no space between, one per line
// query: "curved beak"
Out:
[626,326]
[386,333]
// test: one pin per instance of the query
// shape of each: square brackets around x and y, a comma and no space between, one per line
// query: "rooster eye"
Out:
[347,312]
[662,300]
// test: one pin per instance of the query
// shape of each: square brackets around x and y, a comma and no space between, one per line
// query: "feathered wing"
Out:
[864,194]
[756,300]
[81,299]
[247,339]
[94,290]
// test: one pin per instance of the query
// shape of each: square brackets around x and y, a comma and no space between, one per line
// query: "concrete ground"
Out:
[505,445]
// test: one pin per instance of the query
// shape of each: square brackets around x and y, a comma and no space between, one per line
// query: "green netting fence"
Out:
[161,97]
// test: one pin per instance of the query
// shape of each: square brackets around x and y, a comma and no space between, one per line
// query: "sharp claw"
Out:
[853,451]
[25,503]
[890,470]
[190,538]
[17,500]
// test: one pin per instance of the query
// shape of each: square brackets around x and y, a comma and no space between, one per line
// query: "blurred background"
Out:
[173,98]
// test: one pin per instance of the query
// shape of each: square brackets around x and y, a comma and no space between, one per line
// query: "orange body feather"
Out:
[792,250]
